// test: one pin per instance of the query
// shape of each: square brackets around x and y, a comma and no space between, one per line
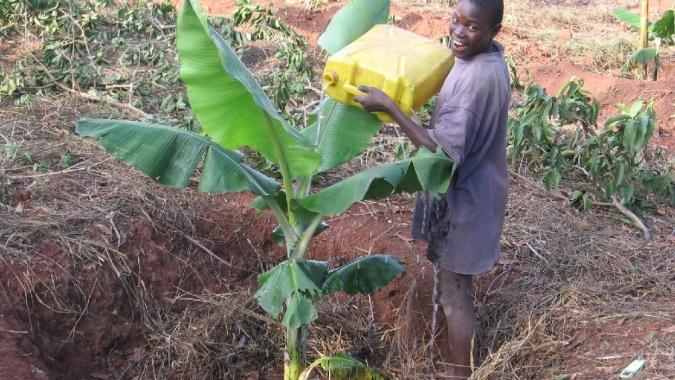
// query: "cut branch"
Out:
[615,203]
[632,217]
[198,244]
[84,95]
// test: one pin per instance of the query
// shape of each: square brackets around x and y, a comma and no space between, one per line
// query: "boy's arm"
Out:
[377,101]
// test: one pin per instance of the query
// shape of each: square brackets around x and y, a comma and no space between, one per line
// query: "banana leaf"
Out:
[364,275]
[341,133]
[170,156]
[230,105]
[424,171]
[352,21]
[297,280]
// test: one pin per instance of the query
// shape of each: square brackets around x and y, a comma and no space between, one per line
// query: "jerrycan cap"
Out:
[330,78]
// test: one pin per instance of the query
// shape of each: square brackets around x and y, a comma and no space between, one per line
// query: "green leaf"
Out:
[260,203]
[616,119]
[619,174]
[352,21]
[629,18]
[651,128]
[230,105]
[529,118]
[171,155]
[344,132]
[424,171]
[642,56]
[627,193]
[576,195]
[552,179]
[587,203]
[297,280]
[519,134]
[629,133]
[342,367]
[643,132]
[665,26]
[278,235]
[363,275]
[300,311]
[635,108]
[554,153]
[609,188]
[623,108]
[544,112]
[536,134]
[316,271]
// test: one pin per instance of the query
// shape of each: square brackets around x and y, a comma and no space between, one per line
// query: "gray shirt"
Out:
[469,123]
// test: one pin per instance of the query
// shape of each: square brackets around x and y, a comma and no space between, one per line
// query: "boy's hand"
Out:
[375,100]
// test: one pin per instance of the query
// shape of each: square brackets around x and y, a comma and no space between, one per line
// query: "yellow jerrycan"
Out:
[408,67]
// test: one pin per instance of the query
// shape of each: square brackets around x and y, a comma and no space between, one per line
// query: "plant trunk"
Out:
[296,352]
[644,29]
[657,63]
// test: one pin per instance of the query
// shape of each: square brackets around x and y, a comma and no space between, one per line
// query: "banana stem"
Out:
[289,233]
[283,166]
[644,29]
[301,247]
[296,350]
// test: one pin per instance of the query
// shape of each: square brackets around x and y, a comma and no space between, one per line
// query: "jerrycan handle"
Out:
[350,88]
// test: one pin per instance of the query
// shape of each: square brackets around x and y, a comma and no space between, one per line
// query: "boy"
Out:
[469,123]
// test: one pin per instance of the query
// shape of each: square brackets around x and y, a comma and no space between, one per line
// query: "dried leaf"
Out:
[89,265]
[105,229]
[504,261]
[581,225]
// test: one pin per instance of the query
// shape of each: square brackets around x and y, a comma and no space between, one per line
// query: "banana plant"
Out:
[234,112]
[662,32]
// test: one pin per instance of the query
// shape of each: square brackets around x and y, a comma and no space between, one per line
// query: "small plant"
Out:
[534,128]
[615,159]
[661,32]
[65,160]
[516,83]
[611,160]
[235,112]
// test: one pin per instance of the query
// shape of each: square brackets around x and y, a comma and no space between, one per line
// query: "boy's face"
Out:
[470,30]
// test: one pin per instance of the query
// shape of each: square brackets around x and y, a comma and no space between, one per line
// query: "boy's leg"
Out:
[455,297]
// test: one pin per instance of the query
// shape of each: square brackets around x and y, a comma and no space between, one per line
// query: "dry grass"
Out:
[565,275]
[575,274]
[588,35]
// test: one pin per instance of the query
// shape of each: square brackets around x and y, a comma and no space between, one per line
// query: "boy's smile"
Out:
[470,30]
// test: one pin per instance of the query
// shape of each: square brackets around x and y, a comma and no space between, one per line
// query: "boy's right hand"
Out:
[375,100]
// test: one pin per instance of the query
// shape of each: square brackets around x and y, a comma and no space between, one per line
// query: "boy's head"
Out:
[473,25]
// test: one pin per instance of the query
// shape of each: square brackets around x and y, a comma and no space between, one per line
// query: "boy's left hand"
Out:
[375,100]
